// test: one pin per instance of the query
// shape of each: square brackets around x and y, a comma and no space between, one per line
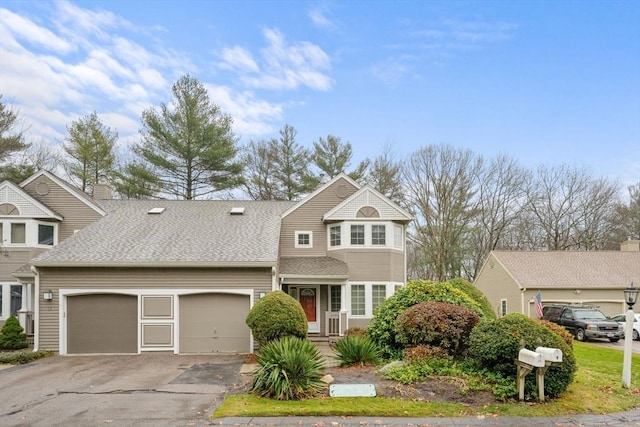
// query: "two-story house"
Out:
[34,217]
[181,276]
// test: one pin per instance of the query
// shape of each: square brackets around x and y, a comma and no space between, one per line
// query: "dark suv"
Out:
[584,322]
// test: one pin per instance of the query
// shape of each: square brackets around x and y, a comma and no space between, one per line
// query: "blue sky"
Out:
[544,81]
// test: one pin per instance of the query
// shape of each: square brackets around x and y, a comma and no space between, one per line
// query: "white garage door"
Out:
[214,323]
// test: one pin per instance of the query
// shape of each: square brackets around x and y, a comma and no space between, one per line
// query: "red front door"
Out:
[308,303]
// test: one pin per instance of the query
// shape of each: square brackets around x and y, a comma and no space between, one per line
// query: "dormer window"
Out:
[304,239]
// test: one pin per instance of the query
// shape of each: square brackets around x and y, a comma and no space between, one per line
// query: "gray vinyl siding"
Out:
[378,265]
[308,217]
[14,259]
[77,215]
[258,279]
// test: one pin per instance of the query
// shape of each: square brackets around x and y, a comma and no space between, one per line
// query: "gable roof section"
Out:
[319,190]
[367,196]
[80,195]
[196,233]
[570,269]
[28,206]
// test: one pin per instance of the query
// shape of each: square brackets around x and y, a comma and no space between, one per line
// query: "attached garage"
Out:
[214,323]
[102,323]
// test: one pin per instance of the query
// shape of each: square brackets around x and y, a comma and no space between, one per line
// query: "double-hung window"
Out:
[378,295]
[378,235]
[358,305]
[18,233]
[335,235]
[357,234]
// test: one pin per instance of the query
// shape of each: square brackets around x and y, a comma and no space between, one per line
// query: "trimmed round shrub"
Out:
[436,324]
[288,369]
[382,329]
[277,315]
[477,295]
[495,344]
[560,330]
[12,336]
[357,350]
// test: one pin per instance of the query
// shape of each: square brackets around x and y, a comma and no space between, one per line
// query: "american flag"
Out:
[538,302]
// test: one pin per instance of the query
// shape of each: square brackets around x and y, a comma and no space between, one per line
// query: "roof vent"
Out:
[237,211]
[155,211]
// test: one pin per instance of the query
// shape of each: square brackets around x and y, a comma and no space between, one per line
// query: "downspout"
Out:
[522,291]
[36,310]
[274,279]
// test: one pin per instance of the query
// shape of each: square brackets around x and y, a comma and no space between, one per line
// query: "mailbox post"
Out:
[551,356]
[528,360]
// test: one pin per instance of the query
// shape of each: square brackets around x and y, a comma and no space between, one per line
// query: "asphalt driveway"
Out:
[140,390]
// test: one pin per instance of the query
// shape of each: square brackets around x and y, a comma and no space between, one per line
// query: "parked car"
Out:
[584,322]
[622,320]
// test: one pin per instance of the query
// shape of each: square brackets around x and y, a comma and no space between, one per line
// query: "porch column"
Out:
[344,318]
[23,313]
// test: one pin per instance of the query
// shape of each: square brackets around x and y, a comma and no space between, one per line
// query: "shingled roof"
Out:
[571,269]
[313,266]
[186,233]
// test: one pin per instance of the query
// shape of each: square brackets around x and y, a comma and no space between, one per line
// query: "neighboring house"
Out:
[511,279]
[181,276]
[34,217]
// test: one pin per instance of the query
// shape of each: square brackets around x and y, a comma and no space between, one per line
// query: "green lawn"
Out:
[597,389]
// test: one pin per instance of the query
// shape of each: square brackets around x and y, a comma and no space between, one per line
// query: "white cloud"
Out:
[239,58]
[251,116]
[282,65]
[27,30]
[318,18]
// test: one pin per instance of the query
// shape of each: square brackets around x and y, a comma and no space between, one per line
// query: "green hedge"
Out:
[382,329]
[494,345]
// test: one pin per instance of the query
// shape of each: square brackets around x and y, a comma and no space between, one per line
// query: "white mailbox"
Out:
[531,358]
[550,354]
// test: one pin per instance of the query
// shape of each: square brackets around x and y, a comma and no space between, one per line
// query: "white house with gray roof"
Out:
[181,276]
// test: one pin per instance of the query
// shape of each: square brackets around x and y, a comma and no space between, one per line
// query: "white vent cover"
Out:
[237,211]
[155,211]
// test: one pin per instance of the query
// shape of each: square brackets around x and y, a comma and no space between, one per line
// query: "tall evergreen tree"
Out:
[10,142]
[292,165]
[189,144]
[259,181]
[333,157]
[90,147]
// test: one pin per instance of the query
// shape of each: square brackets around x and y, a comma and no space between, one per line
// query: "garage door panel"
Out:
[211,323]
[102,323]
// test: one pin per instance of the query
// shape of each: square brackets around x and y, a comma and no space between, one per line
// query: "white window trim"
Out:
[345,237]
[390,288]
[503,301]
[296,242]
[31,233]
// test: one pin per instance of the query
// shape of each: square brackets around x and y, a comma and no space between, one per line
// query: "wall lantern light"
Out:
[631,296]
[47,295]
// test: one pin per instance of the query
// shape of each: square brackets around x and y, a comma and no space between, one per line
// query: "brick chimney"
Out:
[630,246]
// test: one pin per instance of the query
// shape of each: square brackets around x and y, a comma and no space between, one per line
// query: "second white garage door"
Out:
[214,323]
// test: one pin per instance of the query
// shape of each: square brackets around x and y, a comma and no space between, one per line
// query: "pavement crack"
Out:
[132,391]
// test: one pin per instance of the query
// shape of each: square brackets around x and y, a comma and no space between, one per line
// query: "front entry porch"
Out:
[323,306]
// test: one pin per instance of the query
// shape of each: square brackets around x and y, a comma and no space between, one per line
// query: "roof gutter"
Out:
[155,264]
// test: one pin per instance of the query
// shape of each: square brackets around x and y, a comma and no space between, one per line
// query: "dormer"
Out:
[24,221]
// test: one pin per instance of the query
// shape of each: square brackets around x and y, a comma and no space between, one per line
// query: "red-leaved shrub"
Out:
[436,324]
